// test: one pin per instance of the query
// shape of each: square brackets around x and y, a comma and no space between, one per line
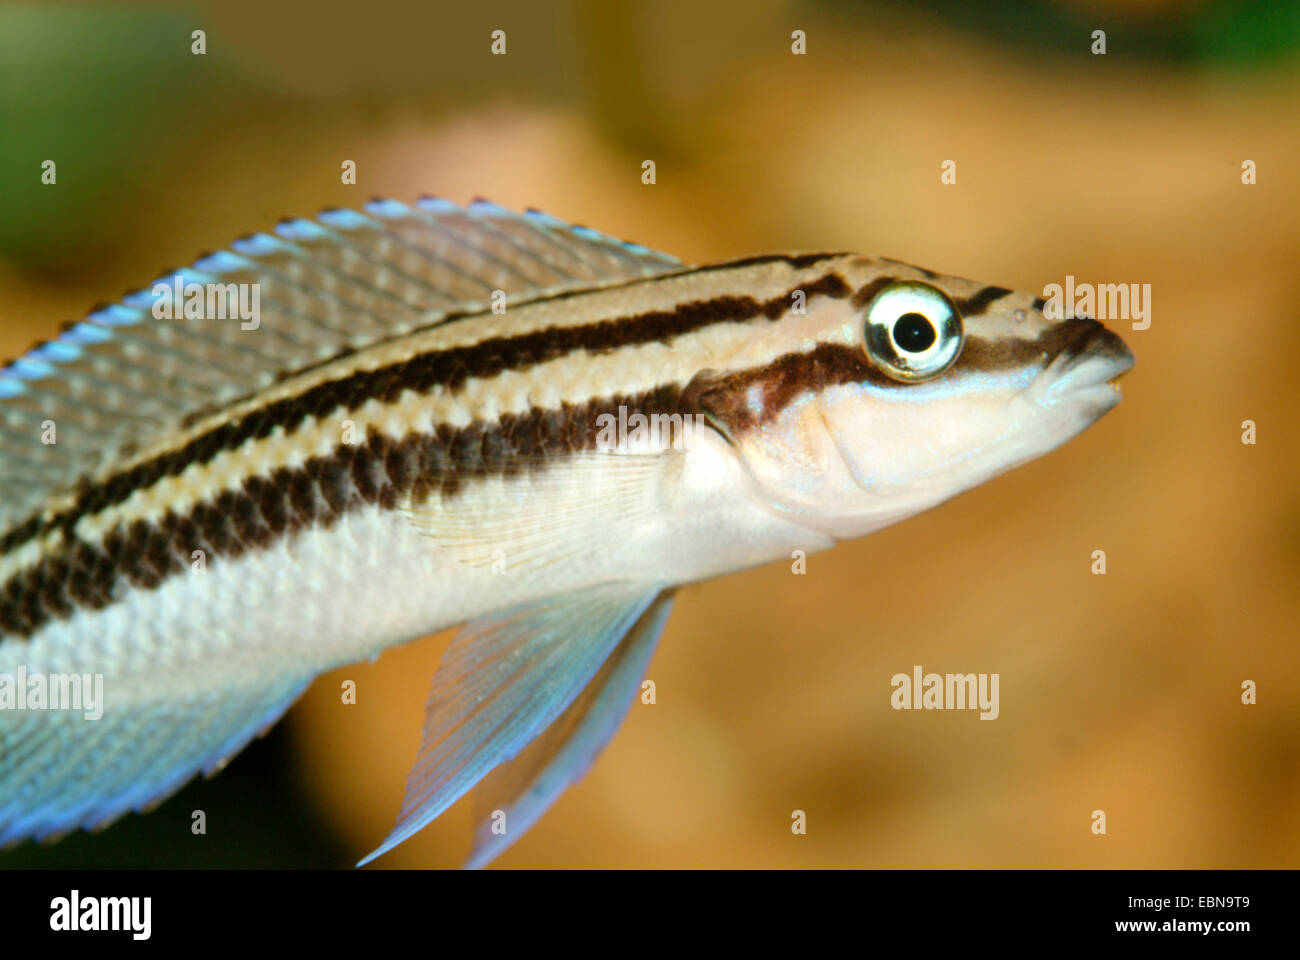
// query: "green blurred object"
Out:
[1242,32]
[102,93]
[1230,32]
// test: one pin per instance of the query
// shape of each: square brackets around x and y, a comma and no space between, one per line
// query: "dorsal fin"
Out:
[122,376]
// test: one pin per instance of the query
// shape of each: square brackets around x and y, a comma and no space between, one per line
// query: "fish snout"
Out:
[1087,366]
[1092,340]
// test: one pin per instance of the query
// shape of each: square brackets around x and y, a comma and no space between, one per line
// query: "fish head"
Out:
[911,387]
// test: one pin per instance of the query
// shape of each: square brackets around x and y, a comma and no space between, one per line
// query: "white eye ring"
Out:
[913,331]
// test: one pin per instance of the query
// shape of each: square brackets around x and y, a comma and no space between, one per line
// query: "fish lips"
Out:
[1086,369]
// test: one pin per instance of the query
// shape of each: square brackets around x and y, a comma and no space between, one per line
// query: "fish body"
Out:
[450,415]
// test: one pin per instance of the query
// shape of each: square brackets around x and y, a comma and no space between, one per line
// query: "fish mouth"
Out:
[1088,367]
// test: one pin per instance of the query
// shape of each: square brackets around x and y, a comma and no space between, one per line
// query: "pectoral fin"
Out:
[568,500]
[506,679]
[514,796]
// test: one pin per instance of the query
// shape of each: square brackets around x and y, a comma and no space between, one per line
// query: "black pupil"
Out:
[914,333]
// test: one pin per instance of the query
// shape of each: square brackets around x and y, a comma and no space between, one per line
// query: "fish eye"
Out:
[913,331]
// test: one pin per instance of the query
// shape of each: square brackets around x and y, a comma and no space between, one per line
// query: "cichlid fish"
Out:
[367,427]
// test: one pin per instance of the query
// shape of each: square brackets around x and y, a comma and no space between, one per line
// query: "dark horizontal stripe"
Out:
[975,305]
[1008,353]
[928,274]
[729,399]
[443,320]
[26,531]
[867,292]
[799,261]
[447,368]
[264,510]
[971,306]
[794,260]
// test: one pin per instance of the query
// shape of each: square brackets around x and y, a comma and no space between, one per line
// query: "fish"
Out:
[361,428]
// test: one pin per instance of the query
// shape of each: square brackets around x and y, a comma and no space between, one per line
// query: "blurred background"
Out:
[1118,692]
